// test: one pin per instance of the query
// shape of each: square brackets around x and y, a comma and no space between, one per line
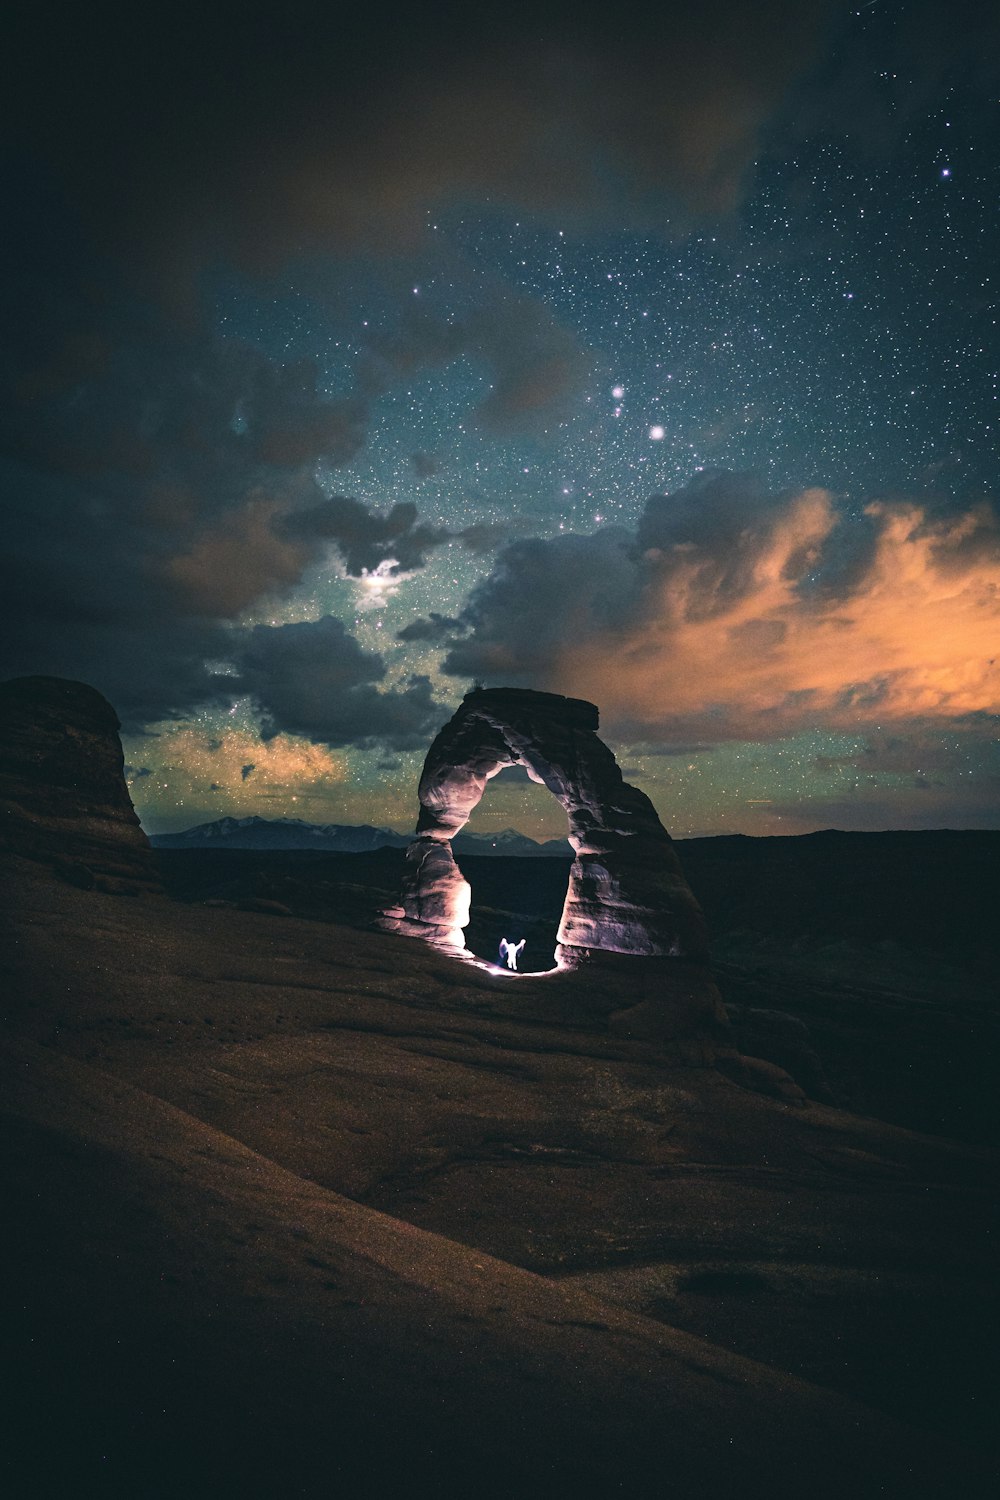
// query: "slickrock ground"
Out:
[293,1208]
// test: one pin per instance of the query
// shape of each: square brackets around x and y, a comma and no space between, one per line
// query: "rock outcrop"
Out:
[626,894]
[63,798]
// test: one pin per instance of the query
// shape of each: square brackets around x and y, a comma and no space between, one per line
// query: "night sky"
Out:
[645,355]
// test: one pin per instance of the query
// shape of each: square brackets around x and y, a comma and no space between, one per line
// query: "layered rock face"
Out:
[626,894]
[63,798]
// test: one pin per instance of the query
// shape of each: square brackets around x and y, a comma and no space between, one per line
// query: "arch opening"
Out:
[625,893]
[516,895]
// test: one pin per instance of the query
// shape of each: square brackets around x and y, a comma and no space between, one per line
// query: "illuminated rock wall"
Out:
[626,893]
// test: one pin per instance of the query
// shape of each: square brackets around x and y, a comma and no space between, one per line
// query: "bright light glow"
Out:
[618,392]
[490,968]
[378,584]
[657,434]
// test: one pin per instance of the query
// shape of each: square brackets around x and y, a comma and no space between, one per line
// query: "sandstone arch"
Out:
[626,893]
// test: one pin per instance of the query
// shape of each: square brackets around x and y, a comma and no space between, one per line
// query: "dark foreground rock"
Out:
[63,798]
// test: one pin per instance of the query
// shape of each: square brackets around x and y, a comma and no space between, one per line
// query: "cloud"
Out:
[237,560]
[364,539]
[151,628]
[730,615]
[314,679]
[435,628]
[486,537]
[540,594]
[290,424]
[335,136]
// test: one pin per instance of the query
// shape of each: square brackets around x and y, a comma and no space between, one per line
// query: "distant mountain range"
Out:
[340,838]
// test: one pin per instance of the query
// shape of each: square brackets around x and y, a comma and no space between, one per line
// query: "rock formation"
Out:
[63,798]
[626,894]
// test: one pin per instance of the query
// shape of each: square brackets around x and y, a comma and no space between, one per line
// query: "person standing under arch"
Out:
[509,952]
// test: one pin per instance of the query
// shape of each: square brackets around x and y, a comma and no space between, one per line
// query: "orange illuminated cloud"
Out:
[746,649]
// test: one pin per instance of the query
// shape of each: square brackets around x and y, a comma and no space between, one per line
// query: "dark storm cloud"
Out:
[367,540]
[364,539]
[539,595]
[289,423]
[730,614]
[184,424]
[435,628]
[487,537]
[314,679]
[262,133]
[81,596]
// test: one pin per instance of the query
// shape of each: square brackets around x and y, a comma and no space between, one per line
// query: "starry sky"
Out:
[648,355]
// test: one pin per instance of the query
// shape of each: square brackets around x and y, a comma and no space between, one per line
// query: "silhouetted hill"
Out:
[937,890]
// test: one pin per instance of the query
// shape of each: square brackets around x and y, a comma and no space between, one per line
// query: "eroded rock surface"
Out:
[63,798]
[627,893]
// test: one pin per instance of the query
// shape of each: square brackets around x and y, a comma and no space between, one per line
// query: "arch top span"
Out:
[626,891]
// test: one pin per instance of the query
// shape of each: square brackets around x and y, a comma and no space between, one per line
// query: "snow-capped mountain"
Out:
[280,833]
[293,833]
